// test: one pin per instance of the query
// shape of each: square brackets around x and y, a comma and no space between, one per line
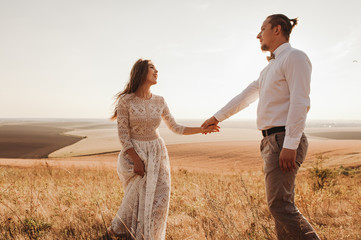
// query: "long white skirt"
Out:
[144,209]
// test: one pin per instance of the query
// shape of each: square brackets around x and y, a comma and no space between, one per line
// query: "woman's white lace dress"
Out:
[145,205]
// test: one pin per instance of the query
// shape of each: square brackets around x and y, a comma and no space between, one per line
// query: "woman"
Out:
[143,163]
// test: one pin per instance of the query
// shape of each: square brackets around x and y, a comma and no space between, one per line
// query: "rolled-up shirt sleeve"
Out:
[123,124]
[298,70]
[239,102]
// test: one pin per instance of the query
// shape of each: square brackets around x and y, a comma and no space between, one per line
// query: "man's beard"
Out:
[264,47]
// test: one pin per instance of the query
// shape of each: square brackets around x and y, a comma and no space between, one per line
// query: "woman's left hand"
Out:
[210,129]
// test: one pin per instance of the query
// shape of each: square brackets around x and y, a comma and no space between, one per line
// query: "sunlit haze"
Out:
[67,59]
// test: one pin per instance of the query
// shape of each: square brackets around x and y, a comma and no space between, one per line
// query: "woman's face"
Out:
[152,74]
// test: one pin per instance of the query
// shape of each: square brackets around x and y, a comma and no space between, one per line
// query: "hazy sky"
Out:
[68,58]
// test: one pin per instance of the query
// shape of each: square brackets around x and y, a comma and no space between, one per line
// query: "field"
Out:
[42,202]
[217,182]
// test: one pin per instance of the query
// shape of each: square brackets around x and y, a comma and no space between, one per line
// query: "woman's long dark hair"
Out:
[138,75]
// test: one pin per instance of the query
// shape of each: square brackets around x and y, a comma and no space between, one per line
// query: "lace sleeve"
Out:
[123,124]
[170,122]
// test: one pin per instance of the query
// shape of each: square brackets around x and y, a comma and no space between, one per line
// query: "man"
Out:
[283,89]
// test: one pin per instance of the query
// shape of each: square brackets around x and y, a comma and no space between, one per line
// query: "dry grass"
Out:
[53,203]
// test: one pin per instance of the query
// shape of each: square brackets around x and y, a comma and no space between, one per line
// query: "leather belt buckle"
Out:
[270,131]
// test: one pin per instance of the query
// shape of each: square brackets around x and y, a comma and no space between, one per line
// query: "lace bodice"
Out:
[139,119]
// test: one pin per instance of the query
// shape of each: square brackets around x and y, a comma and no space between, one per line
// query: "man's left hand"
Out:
[287,160]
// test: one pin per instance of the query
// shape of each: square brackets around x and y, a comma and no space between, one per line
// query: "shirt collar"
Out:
[281,48]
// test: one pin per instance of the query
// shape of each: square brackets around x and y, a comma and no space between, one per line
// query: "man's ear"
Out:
[278,30]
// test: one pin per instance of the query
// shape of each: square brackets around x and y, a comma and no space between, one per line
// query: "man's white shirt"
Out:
[283,89]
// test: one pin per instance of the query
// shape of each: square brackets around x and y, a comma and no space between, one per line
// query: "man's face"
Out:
[266,36]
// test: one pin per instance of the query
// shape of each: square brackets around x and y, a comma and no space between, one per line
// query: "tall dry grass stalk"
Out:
[47,203]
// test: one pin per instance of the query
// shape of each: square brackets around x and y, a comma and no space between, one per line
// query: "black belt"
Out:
[273,130]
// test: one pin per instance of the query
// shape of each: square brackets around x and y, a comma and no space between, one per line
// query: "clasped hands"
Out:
[210,125]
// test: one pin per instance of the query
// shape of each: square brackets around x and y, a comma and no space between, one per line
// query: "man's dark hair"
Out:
[286,24]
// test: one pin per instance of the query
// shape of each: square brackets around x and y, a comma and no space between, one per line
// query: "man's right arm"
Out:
[239,102]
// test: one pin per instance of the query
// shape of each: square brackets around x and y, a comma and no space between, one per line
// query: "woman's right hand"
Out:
[139,167]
